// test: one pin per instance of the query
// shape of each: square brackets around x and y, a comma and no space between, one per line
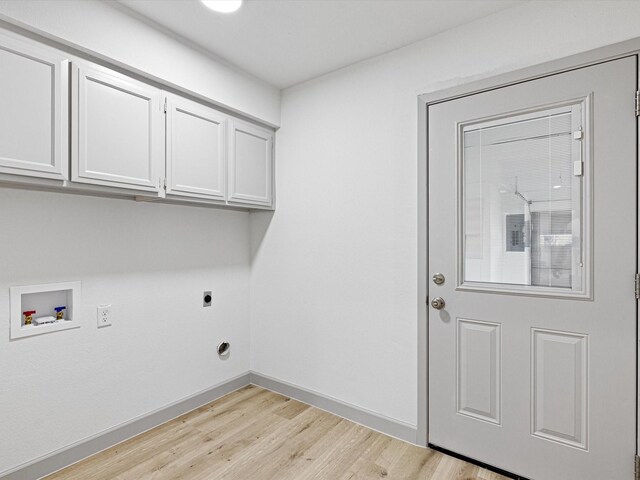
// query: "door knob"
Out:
[438,303]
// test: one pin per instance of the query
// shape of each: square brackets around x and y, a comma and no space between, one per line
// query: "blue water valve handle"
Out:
[59,314]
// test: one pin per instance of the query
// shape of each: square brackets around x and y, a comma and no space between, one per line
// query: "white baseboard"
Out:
[66,456]
[71,454]
[372,420]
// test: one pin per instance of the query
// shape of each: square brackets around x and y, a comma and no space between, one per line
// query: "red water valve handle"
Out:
[30,312]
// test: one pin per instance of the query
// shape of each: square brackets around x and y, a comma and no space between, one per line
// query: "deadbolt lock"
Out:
[438,303]
[438,279]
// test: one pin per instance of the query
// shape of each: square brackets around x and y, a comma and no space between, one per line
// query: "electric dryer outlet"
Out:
[206,299]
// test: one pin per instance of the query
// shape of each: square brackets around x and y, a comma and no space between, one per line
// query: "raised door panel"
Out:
[33,109]
[118,130]
[196,153]
[559,389]
[478,389]
[250,164]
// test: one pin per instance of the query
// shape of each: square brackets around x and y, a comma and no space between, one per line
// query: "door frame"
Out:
[573,62]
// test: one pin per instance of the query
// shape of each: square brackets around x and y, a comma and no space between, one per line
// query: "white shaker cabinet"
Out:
[117,130]
[196,150]
[70,124]
[250,164]
[33,109]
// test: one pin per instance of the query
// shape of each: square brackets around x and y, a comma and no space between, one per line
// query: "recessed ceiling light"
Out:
[222,6]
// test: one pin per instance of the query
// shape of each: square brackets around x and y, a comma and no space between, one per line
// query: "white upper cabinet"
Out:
[250,164]
[196,150]
[33,109]
[118,130]
[94,129]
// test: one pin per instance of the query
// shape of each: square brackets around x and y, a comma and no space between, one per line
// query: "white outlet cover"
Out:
[104,315]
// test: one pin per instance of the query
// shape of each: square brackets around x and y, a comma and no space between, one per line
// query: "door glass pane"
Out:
[522,200]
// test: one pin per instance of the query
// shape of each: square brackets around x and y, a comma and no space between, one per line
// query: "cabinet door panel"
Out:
[196,137]
[33,110]
[118,130]
[250,164]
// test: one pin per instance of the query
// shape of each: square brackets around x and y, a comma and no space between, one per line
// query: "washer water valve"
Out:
[60,312]
[28,316]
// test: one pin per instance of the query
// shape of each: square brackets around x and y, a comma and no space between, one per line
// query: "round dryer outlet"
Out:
[224,348]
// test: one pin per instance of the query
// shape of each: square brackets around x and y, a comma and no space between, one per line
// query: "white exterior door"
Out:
[118,130]
[532,225]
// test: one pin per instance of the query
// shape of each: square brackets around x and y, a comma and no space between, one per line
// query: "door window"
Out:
[522,202]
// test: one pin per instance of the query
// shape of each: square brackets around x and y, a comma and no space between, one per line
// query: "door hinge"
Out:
[637,289]
[165,104]
[637,103]
[165,183]
[637,469]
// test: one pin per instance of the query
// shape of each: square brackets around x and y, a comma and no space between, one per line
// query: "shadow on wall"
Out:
[259,221]
[54,232]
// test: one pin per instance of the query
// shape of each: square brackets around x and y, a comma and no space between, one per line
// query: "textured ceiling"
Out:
[285,42]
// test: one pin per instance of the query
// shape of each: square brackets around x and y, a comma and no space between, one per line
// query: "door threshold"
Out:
[476,462]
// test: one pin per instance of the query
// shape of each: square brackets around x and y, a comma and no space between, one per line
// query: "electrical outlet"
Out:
[206,299]
[104,315]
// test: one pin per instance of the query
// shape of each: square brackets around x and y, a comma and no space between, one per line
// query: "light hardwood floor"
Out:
[255,434]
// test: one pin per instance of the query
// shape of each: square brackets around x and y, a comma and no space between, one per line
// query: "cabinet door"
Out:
[250,164]
[118,130]
[33,109]
[196,153]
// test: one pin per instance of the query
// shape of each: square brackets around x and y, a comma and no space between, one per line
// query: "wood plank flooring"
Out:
[255,434]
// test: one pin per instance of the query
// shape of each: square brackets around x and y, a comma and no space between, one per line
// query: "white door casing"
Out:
[540,380]
[196,150]
[118,130]
[33,109]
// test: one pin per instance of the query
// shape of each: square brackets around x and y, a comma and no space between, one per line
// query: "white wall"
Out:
[108,30]
[151,262]
[334,273]
[333,287]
